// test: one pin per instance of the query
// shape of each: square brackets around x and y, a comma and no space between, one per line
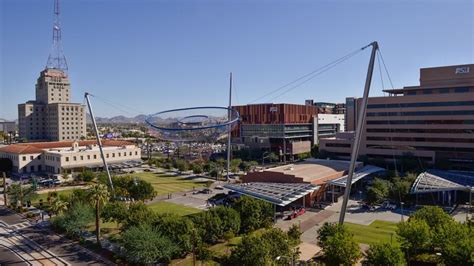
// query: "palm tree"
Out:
[58,206]
[99,195]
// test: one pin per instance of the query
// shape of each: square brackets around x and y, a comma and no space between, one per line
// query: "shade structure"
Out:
[437,180]
[201,124]
[280,194]
[358,175]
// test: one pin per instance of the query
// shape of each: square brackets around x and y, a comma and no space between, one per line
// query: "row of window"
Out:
[426,104]
[94,156]
[444,140]
[422,122]
[421,113]
[442,90]
[420,147]
[417,130]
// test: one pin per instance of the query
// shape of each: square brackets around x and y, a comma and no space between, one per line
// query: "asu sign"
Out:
[462,70]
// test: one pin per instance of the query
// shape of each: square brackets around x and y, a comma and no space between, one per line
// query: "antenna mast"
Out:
[56,58]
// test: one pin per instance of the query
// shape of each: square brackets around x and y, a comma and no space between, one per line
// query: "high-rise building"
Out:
[433,121]
[52,116]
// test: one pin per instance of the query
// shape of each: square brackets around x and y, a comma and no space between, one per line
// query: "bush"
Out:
[384,254]
[75,220]
[86,176]
[144,244]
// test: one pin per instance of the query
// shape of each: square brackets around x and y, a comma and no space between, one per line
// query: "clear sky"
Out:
[156,55]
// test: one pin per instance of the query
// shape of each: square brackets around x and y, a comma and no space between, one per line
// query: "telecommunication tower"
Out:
[56,58]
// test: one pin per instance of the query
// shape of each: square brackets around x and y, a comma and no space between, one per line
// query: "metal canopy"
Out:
[437,180]
[280,194]
[363,172]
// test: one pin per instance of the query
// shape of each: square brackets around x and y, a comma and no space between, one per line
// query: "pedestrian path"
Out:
[25,248]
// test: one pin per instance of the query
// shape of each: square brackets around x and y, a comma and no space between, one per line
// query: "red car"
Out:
[296,213]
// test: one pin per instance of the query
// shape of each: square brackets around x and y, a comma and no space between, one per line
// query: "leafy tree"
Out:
[58,206]
[181,165]
[116,211]
[415,236]
[99,195]
[79,196]
[144,244]
[178,229]
[272,157]
[338,244]
[456,243]
[75,220]
[139,213]
[432,215]
[294,235]
[378,191]
[234,165]
[384,254]
[230,219]
[254,213]
[17,194]
[86,176]
[141,190]
[209,226]
[341,248]
[203,253]
[271,247]
[197,168]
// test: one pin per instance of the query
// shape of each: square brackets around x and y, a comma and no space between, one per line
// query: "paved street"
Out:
[23,243]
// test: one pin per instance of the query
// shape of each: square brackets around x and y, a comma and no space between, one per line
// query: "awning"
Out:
[438,180]
[363,172]
[280,194]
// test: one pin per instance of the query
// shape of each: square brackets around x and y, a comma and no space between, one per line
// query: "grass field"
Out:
[168,207]
[44,196]
[219,250]
[166,183]
[376,232]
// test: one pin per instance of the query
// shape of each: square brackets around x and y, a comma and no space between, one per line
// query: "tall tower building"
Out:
[52,116]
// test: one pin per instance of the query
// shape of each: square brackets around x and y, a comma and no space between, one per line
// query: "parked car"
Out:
[388,205]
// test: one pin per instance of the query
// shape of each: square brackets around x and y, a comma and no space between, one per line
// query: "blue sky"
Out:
[149,56]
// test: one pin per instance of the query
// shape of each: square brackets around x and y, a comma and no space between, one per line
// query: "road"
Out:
[24,243]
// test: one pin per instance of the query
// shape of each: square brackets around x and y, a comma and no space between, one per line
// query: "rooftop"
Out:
[38,147]
[280,194]
[313,169]
[438,180]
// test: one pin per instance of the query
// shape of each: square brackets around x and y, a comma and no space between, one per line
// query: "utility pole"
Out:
[4,189]
[358,133]
[86,95]
[229,127]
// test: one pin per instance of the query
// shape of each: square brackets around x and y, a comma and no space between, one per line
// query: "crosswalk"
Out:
[19,226]
[26,249]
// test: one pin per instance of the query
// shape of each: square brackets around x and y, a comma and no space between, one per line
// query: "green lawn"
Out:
[219,250]
[376,232]
[166,183]
[44,196]
[168,207]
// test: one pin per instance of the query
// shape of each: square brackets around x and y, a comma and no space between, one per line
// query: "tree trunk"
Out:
[97,223]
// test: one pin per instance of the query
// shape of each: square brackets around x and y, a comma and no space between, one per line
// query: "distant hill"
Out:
[139,119]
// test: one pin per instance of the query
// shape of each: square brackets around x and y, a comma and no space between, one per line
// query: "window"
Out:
[460,90]
[427,92]
[113,155]
[31,157]
[88,157]
[24,158]
[107,155]
[82,158]
[136,153]
[95,156]
[75,158]
[67,159]
[443,90]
